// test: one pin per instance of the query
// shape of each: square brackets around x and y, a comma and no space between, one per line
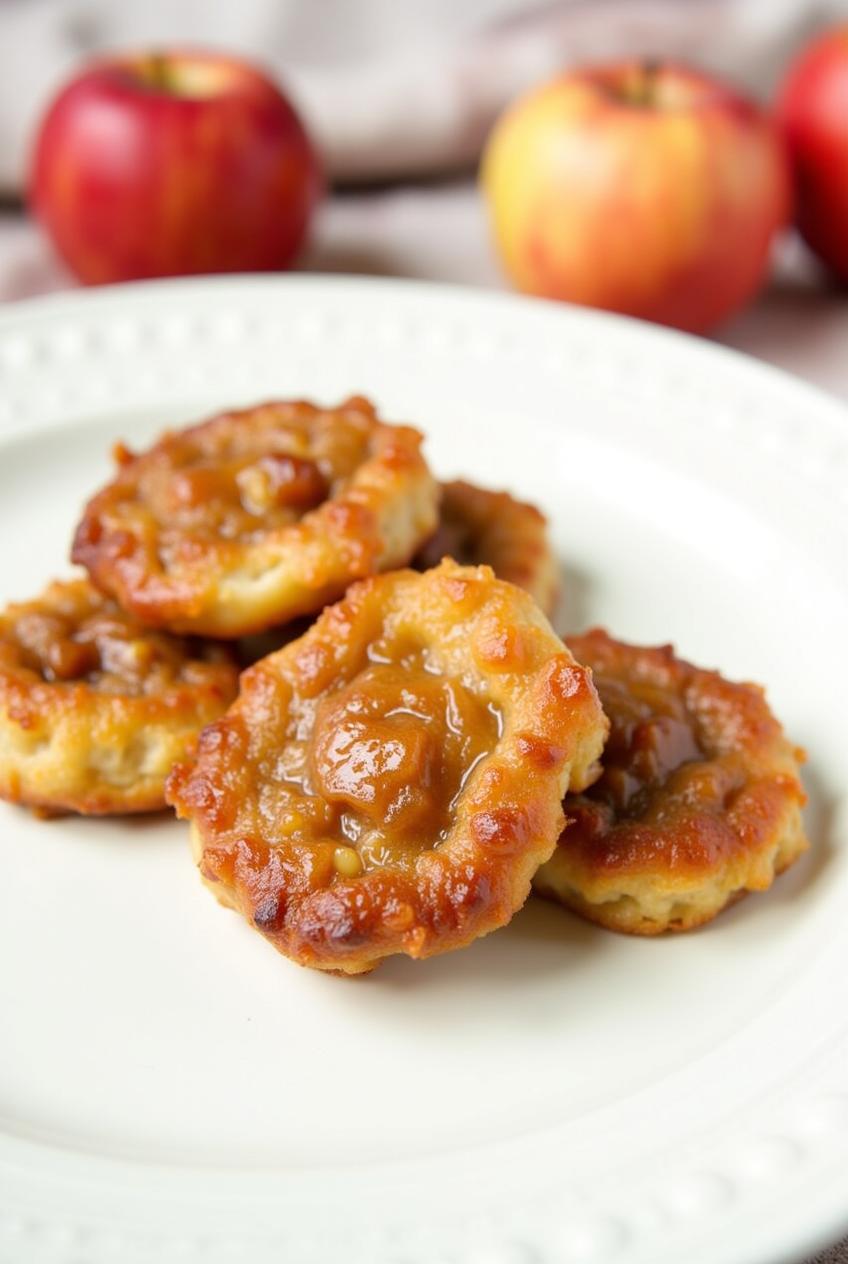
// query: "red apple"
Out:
[644,188]
[164,164]
[813,110]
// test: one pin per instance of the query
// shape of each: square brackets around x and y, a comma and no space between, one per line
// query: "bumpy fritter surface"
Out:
[389,782]
[254,517]
[698,803]
[94,708]
[481,527]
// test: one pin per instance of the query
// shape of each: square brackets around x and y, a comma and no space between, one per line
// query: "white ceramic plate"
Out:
[172,1090]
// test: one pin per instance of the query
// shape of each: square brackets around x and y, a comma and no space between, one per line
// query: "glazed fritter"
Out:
[699,801]
[478,527]
[94,708]
[254,517]
[390,782]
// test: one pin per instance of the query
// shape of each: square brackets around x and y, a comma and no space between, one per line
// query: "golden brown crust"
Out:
[699,801]
[254,517]
[478,527]
[95,709]
[418,854]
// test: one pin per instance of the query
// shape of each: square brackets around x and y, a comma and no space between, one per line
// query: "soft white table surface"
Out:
[439,233]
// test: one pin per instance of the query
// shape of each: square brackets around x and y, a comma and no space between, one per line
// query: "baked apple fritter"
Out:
[698,803]
[482,527]
[94,708]
[390,782]
[254,517]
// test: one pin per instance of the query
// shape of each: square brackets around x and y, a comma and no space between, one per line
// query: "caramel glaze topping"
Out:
[229,485]
[651,736]
[489,527]
[454,537]
[375,767]
[83,637]
[389,782]
[256,516]
[694,768]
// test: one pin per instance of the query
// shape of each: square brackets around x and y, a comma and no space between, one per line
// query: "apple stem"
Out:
[645,83]
[159,73]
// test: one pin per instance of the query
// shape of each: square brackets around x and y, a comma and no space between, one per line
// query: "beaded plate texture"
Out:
[172,1090]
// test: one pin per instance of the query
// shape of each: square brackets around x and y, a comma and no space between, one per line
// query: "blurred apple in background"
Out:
[643,188]
[813,109]
[173,163]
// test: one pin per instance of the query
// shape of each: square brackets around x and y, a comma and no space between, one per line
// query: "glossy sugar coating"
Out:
[94,708]
[698,803]
[481,527]
[254,517]
[391,781]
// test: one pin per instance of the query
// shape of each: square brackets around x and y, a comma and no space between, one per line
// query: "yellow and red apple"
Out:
[813,110]
[644,188]
[162,164]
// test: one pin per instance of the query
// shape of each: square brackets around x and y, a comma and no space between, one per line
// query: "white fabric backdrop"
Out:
[392,87]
